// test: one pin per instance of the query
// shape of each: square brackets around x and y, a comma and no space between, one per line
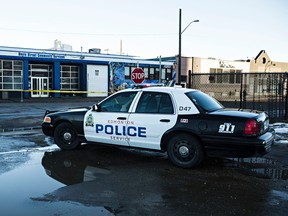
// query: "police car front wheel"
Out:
[185,151]
[66,137]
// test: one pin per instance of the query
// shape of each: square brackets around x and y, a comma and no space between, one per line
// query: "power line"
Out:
[91,34]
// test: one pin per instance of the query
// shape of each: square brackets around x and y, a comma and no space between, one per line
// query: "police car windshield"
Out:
[204,101]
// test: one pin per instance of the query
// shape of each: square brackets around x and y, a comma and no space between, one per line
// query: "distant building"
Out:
[59,46]
[224,78]
[263,63]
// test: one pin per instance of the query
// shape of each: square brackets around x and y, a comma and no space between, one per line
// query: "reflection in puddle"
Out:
[125,182]
[260,167]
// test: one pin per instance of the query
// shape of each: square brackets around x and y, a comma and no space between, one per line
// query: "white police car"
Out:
[186,123]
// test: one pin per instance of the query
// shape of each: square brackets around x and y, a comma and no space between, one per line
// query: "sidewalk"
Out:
[29,113]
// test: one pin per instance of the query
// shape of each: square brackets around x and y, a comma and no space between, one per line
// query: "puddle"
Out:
[27,181]
[260,167]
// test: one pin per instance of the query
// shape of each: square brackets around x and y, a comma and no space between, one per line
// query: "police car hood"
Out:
[241,113]
[77,109]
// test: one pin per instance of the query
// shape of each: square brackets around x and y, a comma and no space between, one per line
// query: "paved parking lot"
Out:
[15,114]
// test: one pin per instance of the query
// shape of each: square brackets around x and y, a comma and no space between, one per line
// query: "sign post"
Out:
[138,75]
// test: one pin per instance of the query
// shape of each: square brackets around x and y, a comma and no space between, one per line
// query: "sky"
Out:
[227,29]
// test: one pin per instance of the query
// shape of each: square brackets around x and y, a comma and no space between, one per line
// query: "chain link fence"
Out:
[260,91]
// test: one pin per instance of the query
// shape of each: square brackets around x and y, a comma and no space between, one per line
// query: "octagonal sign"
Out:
[138,75]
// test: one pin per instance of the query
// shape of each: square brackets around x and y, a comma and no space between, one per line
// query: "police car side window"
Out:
[155,102]
[203,101]
[118,103]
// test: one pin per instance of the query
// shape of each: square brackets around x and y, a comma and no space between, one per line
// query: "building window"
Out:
[146,71]
[127,73]
[11,72]
[69,77]
[151,74]
[225,76]
[235,76]
[156,75]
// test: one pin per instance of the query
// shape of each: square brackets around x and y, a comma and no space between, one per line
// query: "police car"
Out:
[186,123]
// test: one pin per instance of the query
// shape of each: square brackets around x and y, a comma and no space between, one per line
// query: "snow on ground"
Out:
[281,130]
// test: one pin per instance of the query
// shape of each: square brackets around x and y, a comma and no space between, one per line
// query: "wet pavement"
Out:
[36,178]
[98,180]
[16,115]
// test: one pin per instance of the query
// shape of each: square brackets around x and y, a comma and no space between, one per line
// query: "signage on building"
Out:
[223,64]
[41,55]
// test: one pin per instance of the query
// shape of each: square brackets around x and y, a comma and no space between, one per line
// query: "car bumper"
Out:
[241,147]
[47,129]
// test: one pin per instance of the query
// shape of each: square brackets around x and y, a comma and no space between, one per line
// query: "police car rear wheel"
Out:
[66,137]
[185,151]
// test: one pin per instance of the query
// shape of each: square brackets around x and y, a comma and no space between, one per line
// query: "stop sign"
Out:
[138,75]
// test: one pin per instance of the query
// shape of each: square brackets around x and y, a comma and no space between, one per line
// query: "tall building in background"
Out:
[59,46]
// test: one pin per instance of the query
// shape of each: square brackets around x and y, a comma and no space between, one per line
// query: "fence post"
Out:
[286,98]
[190,79]
[241,90]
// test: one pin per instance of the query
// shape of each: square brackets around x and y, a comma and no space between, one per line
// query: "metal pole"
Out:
[192,73]
[160,69]
[179,55]
[286,98]
[22,92]
[180,44]
[190,78]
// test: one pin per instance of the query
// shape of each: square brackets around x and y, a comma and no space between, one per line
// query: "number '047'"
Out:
[182,108]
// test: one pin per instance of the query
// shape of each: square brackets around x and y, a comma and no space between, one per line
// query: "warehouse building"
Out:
[26,72]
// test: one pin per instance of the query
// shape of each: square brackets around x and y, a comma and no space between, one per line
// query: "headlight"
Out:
[47,119]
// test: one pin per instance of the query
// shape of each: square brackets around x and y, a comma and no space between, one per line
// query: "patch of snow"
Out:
[281,130]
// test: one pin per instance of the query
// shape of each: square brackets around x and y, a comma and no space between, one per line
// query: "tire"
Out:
[185,151]
[66,136]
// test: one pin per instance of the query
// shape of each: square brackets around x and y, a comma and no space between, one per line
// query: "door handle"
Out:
[164,120]
[121,118]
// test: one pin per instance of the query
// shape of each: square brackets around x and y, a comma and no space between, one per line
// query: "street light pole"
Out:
[179,55]
[180,45]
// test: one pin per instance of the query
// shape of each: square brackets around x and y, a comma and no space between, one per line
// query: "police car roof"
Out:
[178,89]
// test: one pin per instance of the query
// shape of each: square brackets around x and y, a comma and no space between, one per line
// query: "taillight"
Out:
[251,127]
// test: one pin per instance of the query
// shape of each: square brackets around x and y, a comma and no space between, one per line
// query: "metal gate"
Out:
[261,91]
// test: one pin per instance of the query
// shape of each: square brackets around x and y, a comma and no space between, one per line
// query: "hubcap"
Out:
[184,151]
[67,136]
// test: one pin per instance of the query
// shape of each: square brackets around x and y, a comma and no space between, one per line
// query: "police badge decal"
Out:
[89,121]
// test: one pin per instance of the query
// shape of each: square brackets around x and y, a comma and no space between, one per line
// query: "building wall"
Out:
[49,73]
[203,65]
[263,63]
[208,64]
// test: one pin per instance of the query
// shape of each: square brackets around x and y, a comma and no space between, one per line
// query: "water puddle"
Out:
[259,167]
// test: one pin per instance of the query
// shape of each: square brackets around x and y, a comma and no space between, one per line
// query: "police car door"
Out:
[109,123]
[153,116]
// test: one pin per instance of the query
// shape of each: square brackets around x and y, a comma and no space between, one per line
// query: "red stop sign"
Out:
[138,75]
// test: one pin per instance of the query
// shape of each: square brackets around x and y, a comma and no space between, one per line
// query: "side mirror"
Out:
[96,108]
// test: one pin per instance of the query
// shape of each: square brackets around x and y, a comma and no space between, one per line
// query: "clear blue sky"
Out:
[228,29]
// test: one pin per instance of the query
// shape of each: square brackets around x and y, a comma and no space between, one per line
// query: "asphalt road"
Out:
[30,112]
